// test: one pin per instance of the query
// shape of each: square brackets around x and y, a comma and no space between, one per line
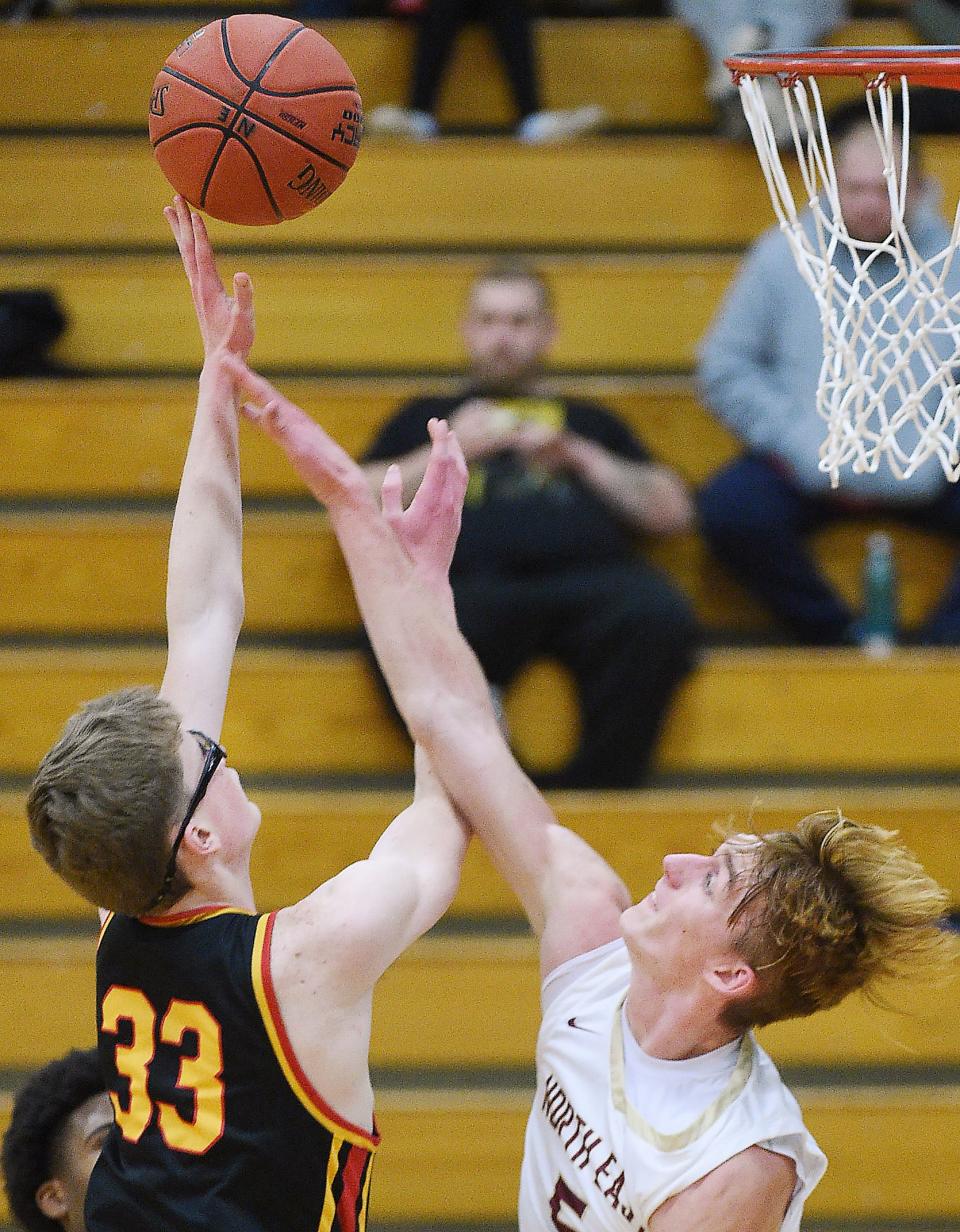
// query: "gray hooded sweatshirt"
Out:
[759,364]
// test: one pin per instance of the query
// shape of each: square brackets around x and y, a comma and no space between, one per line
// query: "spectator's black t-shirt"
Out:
[516,518]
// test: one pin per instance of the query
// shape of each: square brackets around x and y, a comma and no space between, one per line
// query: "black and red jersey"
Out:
[217,1127]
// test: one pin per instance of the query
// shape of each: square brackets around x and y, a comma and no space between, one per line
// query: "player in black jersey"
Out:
[235,1046]
[59,1122]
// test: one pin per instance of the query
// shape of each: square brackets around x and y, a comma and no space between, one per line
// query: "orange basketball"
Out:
[255,119]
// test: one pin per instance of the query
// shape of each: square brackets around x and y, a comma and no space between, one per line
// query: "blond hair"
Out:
[106,796]
[833,906]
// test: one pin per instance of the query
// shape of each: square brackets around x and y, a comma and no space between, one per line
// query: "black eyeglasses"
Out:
[214,754]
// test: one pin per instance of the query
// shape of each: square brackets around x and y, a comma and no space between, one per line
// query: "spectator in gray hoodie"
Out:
[759,366]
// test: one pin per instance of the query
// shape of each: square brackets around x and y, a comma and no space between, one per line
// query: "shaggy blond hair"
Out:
[105,799]
[832,906]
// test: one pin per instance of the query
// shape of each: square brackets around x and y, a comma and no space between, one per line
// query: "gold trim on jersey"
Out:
[684,1137]
[329,1212]
[273,1022]
[103,927]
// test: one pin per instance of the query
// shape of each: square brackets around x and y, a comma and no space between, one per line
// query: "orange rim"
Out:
[922,65]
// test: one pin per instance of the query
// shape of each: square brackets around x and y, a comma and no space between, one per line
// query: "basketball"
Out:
[255,119]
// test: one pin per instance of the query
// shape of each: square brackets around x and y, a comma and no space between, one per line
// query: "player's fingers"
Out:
[268,416]
[185,241]
[391,493]
[250,410]
[252,381]
[438,429]
[243,291]
[206,266]
[457,454]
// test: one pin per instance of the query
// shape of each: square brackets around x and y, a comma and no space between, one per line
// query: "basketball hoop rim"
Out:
[920,64]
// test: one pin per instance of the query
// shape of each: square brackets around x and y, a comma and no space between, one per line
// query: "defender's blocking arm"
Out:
[398,562]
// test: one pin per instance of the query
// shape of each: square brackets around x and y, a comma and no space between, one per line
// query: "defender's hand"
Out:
[328,470]
[428,529]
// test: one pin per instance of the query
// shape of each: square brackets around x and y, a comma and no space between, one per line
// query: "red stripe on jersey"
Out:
[178,918]
[352,1180]
[287,1048]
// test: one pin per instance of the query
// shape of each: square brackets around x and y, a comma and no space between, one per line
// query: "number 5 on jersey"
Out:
[563,1196]
[200,1074]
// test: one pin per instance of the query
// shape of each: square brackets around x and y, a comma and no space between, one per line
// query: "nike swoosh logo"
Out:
[572,1022]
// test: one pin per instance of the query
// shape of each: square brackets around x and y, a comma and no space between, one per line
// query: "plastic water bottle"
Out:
[879,596]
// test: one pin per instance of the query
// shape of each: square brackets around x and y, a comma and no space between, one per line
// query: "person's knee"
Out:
[737,504]
[658,618]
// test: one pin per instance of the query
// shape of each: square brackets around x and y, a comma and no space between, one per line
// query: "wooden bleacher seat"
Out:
[105,573]
[892,1150]
[637,192]
[109,439]
[777,711]
[420,1021]
[104,438]
[308,836]
[375,313]
[622,63]
[628,192]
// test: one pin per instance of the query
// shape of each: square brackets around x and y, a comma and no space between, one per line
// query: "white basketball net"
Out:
[887,385]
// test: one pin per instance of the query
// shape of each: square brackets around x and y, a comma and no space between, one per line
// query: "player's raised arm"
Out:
[204,576]
[398,561]
[364,918]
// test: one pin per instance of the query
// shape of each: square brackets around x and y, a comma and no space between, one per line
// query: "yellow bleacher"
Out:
[308,835]
[498,978]
[639,235]
[649,72]
[366,312]
[469,1143]
[108,570]
[750,711]
[55,434]
[465,192]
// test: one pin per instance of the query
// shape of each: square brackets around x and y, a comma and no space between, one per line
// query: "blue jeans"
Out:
[757,522]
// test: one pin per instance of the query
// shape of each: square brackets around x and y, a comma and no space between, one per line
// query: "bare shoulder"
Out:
[335,918]
[750,1192]
[325,1016]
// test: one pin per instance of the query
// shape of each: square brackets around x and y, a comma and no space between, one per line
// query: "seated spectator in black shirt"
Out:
[546,565]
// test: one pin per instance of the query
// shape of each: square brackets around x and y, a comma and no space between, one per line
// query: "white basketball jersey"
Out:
[591,1162]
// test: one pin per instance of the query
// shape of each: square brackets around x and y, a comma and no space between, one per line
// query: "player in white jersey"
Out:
[655,1108]
[614,1132]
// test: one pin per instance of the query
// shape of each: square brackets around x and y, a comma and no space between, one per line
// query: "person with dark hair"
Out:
[759,368]
[547,563]
[60,1120]
[655,1106]
[235,1045]
[509,20]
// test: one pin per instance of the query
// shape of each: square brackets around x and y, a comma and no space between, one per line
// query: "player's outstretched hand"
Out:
[328,470]
[224,322]
[428,529]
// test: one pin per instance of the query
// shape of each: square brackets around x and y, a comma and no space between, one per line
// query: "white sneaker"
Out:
[542,127]
[392,121]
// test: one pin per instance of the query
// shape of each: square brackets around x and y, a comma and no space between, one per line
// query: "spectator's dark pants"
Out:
[757,522]
[624,631]
[509,23]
